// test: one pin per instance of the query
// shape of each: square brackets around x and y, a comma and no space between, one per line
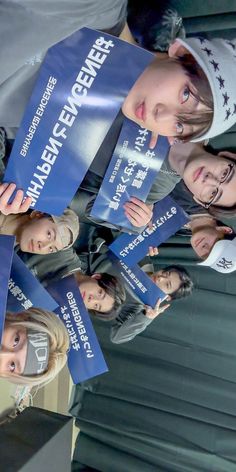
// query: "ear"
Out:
[35,214]
[176,49]
[231,155]
[224,229]
[96,276]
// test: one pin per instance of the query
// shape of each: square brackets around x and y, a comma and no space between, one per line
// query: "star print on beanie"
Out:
[217,58]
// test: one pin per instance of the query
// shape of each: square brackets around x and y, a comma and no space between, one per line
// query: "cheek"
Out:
[211,239]
[160,284]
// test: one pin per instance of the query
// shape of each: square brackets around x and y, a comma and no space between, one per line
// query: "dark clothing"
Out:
[85,197]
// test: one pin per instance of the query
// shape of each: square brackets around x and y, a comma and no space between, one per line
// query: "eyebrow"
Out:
[55,249]
[54,233]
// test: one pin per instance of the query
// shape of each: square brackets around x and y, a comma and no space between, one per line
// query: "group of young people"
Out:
[188,95]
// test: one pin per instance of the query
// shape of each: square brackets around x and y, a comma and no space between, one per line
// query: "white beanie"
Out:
[222,256]
[217,58]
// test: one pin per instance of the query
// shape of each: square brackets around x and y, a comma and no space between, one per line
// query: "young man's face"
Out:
[203,240]
[94,296]
[158,96]
[13,350]
[211,179]
[40,236]
[167,281]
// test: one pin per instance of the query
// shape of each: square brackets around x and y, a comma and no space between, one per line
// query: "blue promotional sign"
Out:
[131,173]
[81,86]
[168,217]
[85,358]
[140,283]
[6,254]
[25,291]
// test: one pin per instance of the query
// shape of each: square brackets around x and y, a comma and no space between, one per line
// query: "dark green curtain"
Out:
[168,402]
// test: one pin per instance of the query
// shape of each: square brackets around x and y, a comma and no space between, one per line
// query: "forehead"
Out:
[107,303]
[43,222]
[175,279]
[206,230]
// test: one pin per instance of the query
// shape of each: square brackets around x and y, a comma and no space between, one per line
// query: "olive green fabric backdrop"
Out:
[168,402]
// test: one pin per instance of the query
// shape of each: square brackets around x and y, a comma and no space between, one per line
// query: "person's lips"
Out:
[197,173]
[140,112]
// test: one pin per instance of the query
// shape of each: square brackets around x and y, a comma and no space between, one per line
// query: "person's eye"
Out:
[49,235]
[224,174]
[213,195]
[12,366]
[186,95]
[50,249]
[179,128]
[16,340]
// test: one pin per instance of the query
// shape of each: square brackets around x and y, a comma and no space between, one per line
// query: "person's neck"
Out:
[80,277]
[180,153]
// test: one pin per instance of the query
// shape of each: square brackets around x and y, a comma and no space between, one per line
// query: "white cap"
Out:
[217,58]
[222,256]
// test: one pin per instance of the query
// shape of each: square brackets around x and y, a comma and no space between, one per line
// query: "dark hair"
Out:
[221,211]
[202,94]
[186,283]
[115,289]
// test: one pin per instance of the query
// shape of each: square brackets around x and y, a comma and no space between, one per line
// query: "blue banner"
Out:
[85,358]
[131,173]
[168,217]
[81,86]
[25,291]
[6,254]
[140,283]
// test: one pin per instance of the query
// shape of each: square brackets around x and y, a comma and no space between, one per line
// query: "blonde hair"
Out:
[46,322]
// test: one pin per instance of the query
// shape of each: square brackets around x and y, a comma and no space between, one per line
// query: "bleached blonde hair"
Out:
[43,321]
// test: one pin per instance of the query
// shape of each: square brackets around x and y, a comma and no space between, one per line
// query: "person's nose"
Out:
[210,178]
[5,350]
[44,244]
[164,111]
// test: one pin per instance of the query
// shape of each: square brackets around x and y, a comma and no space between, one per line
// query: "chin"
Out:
[23,248]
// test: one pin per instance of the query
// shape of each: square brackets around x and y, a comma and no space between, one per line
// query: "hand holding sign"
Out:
[153,251]
[153,140]
[138,213]
[152,313]
[19,204]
